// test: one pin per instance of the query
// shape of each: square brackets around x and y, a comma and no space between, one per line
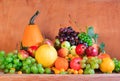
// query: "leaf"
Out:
[95,37]
[90,31]
[102,46]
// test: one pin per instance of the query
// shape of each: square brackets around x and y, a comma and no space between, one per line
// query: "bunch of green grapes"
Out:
[10,62]
[90,64]
[85,38]
[117,65]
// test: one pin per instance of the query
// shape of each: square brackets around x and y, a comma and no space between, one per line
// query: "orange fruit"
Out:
[107,65]
[61,63]
[103,55]
[46,55]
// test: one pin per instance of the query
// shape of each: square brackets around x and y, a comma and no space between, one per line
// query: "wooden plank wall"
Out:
[104,15]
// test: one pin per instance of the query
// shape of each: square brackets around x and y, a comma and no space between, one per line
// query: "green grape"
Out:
[99,61]
[39,65]
[85,58]
[14,66]
[63,72]
[28,61]
[94,65]
[41,70]
[15,56]
[89,71]
[25,67]
[2,59]
[16,61]
[12,71]
[87,66]
[6,70]
[85,38]
[2,66]
[47,70]
[2,53]
[33,60]
[9,59]
[10,54]
[83,61]
[83,65]
[27,70]
[20,64]
[9,66]
[34,69]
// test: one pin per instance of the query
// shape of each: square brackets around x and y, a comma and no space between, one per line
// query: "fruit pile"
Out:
[71,53]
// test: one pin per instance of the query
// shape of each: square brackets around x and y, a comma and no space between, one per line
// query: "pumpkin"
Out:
[32,35]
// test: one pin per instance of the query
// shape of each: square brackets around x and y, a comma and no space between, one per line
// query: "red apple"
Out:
[91,51]
[63,52]
[22,54]
[75,63]
[48,41]
[80,49]
[32,50]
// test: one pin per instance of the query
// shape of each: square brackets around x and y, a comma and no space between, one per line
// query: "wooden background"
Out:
[104,15]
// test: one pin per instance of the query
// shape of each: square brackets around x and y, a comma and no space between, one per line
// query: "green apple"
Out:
[72,50]
[65,44]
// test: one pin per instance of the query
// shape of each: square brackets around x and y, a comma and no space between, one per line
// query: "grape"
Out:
[16,61]
[34,69]
[2,53]
[10,54]
[9,59]
[9,66]
[41,70]
[39,65]
[88,66]
[28,61]
[27,70]
[117,65]
[6,70]
[89,71]
[68,34]
[47,70]
[85,38]
[33,60]
[12,71]
[94,66]
[2,66]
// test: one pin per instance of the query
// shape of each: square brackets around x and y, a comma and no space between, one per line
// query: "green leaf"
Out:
[95,37]
[90,31]
[102,46]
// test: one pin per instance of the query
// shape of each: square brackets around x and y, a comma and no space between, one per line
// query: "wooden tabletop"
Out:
[58,77]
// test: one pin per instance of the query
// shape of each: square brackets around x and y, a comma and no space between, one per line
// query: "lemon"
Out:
[46,55]
[107,65]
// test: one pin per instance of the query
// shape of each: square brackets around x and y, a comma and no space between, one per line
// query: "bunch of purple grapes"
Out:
[68,34]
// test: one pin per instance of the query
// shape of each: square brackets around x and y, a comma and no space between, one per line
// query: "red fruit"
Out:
[80,49]
[63,52]
[91,51]
[23,54]
[32,50]
[75,63]
[48,41]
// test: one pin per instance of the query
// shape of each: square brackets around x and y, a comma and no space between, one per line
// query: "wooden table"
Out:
[58,77]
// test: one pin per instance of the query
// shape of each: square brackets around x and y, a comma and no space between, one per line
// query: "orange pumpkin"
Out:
[32,35]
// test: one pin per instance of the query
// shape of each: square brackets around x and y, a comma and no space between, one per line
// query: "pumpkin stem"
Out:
[33,18]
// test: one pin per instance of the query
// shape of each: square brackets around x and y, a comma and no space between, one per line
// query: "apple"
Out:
[48,41]
[80,49]
[32,50]
[63,52]
[72,50]
[75,63]
[22,54]
[65,44]
[91,51]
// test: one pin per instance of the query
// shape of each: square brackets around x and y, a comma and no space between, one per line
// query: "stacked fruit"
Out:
[81,51]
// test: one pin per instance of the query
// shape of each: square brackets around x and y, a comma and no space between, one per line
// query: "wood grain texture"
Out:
[50,77]
[104,15]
